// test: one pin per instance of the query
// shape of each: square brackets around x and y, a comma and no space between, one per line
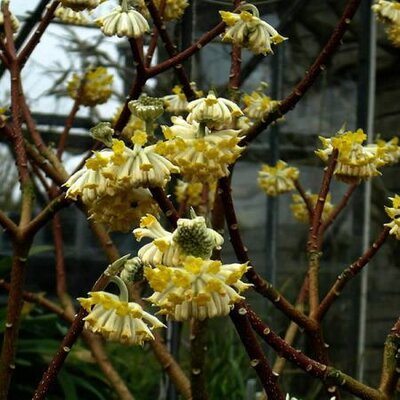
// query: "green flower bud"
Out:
[103,133]
[147,108]
[133,270]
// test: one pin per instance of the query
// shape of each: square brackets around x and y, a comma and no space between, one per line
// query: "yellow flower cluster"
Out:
[198,288]
[191,193]
[186,283]
[96,88]
[299,208]
[69,16]
[355,161]
[203,155]
[112,182]
[258,105]
[394,214]
[278,179]
[215,112]
[118,320]
[389,13]
[173,9]
[246,29]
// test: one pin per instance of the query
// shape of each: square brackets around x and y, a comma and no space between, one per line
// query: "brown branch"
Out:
[197,358]
[8,225]
[391,362]
[258,361]
[328,375]
[185,54]
[260,285]
[338,209]
[349,273]
[305,197]
[165,204]
[314,240]
[311,75]
[14,308]
[34,40]
[70,120]
[152,47]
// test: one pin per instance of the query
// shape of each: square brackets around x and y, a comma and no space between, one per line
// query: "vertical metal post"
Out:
[272,202]
[365,120]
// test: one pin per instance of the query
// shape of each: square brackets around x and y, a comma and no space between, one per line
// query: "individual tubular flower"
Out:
[258,105]
[88,182]
[123,21]
[191,237]
[215,112]
[192,193]
[388,11]
[122,211]
[300,211]
[79,5]
[278,179]
[246,29]
[138,167]
[197,289]
[14,23]
[176,103]
[118,320]
[355,161]
[394,215]
[96,86]
[69,16]
[202,155]
[173,9]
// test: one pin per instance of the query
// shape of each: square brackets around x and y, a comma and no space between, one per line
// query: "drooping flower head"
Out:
[246,29]
[278,179]
[388,151]
[394,215]
[197,288]
[116,319]
[215,112]
[94,87]
[173,9]
[176,103]
[258,105]
[299,208]
[355,161]
[202,154]
[123,21]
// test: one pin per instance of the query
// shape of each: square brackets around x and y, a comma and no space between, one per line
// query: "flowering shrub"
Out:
[162,170]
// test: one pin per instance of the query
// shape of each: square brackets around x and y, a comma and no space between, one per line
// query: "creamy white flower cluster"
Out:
[246,29]
[186,282]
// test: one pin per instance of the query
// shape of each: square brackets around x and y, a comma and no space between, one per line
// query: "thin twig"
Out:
[349,273]
[305,197]
[34,40]
[258,361]
[391,362]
